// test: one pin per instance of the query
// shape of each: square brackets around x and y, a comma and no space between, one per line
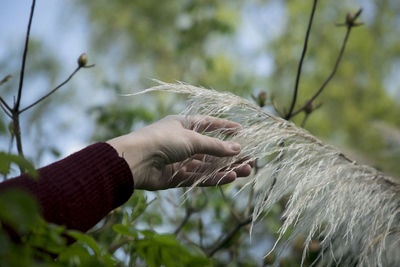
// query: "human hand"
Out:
[155,152]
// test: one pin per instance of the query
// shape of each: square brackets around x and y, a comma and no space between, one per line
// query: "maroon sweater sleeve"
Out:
[81,189]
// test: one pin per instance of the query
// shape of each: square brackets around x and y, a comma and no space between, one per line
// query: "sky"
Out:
[63,30]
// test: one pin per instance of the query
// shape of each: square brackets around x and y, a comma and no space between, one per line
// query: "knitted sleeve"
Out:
[79,190]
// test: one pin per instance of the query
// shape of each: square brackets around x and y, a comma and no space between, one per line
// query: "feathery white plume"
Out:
[352,208]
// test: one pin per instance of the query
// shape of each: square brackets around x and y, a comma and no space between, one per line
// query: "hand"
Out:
[155,152]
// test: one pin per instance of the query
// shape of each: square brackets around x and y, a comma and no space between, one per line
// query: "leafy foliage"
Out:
[6,161]
[201,42]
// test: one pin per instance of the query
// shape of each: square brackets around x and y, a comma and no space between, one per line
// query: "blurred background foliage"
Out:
[250,48]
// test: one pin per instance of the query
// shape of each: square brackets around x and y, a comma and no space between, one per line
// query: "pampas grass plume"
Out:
[352,208]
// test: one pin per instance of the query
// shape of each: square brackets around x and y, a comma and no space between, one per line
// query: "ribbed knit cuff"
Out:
[81,189]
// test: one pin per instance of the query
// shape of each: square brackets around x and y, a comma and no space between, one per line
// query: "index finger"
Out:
[200,123]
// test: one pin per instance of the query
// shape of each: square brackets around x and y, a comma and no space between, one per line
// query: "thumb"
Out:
[202,144]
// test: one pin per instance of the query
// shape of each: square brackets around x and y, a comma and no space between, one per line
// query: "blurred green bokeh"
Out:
[222,45]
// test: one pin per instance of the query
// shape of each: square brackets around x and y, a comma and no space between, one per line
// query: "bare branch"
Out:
[116,246]
[17,133]
[22,71]
[6,108]
[189,212]
[350,23]
[229,236]
[303,53]
[5,104]
[52,91]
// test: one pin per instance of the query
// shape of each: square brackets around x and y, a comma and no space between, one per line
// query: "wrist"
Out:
[134,149]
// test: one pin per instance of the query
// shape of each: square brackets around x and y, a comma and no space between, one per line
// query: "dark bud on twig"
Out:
[351,19]
[82,60]
[261,99]
[5,79]
[309,108]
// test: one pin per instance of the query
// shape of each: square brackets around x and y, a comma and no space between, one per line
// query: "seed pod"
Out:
[309,108]
[82,60]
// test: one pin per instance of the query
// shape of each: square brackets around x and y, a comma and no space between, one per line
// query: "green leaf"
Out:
[48,237]
[7,159]
[147,233]
[19,210]
[166,240]
[86,240]
[74,255]
[125,230]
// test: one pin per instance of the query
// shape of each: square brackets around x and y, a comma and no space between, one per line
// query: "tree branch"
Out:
[22,71]
[189,212]
[116,246]
[303,53]
[349,24]
[5,104]
[229,236]
[52,91]
[5,107]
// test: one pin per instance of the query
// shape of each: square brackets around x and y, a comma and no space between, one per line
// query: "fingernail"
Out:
[234,146]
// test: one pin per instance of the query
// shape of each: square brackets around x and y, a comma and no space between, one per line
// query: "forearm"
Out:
[81,189]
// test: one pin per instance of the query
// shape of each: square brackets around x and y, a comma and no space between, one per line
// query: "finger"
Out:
[242,170]
[204,158]
[200,123]
[197,166]
[220,179]
[246,160]
[201,157]
[202,144]
[187,179]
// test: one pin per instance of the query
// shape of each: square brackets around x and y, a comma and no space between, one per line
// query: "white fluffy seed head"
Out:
[352,208]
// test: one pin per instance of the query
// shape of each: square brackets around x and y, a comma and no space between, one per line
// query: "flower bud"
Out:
[309,108]
[350,17]
[262,97]
[82,60]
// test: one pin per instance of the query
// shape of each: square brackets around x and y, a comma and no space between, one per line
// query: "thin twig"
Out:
[5,104]
[308,113]
[52,91]
[114,247]
[335,68]
[303,123]
[189,212]
[4,108]
[303,54]
[200,231]
[22,71]
[17,134]
[229,236]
